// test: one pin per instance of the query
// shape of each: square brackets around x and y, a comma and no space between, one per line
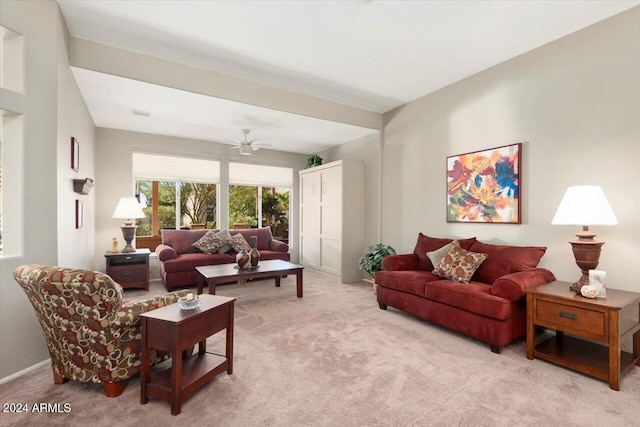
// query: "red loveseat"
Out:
[179,258]
[490,308]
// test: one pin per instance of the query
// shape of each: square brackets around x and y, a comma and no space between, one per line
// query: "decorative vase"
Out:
[243,259]
[254,254]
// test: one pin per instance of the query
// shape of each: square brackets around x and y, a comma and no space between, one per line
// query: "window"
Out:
[175,192]
[259,197]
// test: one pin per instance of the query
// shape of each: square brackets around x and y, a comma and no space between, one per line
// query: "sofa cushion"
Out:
[210,243]
[427,244]
[436,256]
[473,296]
[188,262]
[412,282]
[238,243]
[182,240]
[504,259]
[459,265]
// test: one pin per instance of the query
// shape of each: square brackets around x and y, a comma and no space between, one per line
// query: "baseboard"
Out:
[26,371]
[368,281]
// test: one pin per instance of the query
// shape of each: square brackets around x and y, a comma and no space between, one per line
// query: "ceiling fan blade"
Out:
[262,144]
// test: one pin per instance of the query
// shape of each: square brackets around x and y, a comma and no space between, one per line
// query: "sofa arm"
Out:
[513,286]
[278,246]
[129,313]
[400,262]
[166,253]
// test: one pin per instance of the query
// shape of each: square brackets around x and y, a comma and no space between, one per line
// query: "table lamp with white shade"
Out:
[585,205]
[128,208]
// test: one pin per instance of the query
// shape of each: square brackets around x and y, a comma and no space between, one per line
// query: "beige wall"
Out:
[114,177]
[74,120]
[22,341]
[574,105]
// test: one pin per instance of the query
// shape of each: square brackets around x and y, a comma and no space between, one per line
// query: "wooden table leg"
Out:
[200,283]
[299,282]
[176,381]
[277,281]
[614,351]
[636,347]
[531,342]
[229,349]
[145,367]
[212,286]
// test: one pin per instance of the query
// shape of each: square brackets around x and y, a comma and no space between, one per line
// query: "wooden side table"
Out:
[608,321]
[129,269]
[174,330]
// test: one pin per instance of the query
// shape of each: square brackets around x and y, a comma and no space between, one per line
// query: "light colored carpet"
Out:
[333,358]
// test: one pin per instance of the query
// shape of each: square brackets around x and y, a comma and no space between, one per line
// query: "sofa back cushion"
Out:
[504,259]
[264,236]
[428,244]
[182,240]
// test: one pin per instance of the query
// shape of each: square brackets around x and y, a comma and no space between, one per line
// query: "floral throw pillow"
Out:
[209,243]
[459,264]
[437,255]
[238,243]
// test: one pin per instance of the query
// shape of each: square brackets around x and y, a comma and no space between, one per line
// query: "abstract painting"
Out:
[484,186]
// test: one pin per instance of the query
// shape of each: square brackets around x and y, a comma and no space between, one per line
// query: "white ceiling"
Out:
[374,55]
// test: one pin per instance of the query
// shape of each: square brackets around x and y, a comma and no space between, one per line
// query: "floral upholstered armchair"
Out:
[91,335]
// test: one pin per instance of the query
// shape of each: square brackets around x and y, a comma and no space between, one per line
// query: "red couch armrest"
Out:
[400,262]
[166,253]
[278,246]
[513,286]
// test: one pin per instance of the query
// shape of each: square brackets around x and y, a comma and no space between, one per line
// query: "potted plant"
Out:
[371,261]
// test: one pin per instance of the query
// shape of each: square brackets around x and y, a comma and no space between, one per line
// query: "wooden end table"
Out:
[607,321]
[129,269]
[228,273]
[174,330]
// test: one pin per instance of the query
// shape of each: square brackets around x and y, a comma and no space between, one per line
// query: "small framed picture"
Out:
[79,214]
[75,154]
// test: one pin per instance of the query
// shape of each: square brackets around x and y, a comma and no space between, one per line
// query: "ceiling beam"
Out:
[132,65]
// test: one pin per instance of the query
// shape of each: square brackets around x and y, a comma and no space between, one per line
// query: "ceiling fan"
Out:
[247,146]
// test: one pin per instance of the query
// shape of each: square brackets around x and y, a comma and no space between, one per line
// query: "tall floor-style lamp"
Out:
[128,208]
[585,205]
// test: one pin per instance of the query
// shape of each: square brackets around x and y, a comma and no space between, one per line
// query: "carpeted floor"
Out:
[333,358]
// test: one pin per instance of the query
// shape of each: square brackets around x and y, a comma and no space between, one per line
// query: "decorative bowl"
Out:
[191,304]
[589,291]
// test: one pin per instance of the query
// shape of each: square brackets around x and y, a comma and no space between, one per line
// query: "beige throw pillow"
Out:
[437,255]
[224,236]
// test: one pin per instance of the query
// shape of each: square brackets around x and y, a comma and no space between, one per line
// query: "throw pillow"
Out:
[459,264]
[238,243]
[427,244]
[224,236]
[437,255]
[505,259]
[209,243]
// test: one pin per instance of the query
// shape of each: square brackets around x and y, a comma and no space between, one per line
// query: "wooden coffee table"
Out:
[229,273]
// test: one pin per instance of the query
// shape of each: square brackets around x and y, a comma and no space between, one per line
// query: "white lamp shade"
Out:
[128,208]
[584,205]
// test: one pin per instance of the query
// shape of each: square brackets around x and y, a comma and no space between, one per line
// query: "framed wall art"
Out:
[484,186]
[79,214]
[75,154]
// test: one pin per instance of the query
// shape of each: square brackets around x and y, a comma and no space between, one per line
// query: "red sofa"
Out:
[179,258]
[490,308]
